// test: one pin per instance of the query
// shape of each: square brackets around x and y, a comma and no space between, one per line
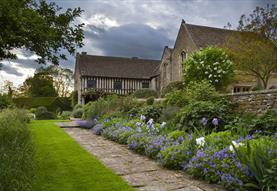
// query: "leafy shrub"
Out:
[169,113]
[202,114]
[5,101]
[219,166]
[173,86]
[195,91]
[65,115]
[95,94]
[77,113]
[101,106]
[153,145]
[261,157]
[43,113]
[216,162]
[145,93]
[127,103]
[210,64]
[16,151]
[134,111]
[266,123]
[150,100]
[177,155]
[137,142]
[177,98]
[153,112]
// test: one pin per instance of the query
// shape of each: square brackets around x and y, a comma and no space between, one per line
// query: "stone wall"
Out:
[257,102]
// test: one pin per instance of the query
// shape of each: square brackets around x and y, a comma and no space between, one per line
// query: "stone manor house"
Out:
[125,75]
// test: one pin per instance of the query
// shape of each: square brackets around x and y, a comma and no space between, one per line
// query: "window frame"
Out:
[94,83]
[116,85]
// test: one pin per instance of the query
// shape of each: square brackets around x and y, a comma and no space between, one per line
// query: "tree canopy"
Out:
[262,21]
[40,27]
[62,79]
[253,49]
[39,85]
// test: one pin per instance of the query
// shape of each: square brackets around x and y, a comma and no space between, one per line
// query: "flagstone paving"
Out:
[139,171]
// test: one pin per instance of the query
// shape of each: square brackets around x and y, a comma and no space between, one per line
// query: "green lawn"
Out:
[62,165]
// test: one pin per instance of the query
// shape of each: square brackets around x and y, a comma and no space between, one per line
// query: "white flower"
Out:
[210,75]
[206,72]
[142,117]
[236,145]
[216,81]
[150,122]
[215,68]
[163,124]
[200,141]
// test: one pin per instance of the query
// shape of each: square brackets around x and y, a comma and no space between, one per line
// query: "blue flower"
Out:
[215,121]
[204,121]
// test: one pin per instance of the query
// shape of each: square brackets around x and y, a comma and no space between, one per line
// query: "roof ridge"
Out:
[211,27]
[119,57]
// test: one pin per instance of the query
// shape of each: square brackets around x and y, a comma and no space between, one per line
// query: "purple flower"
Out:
[215,121]
[204,121]
[205,170]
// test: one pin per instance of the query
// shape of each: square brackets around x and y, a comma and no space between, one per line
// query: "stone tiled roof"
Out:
[107,66]
[204,36]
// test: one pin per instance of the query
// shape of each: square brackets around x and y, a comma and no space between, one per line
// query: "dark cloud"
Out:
[9,69]
[130,40]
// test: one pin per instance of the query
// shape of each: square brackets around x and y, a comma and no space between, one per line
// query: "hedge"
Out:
[51,103]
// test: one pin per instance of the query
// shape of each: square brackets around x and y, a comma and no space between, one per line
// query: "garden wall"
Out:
[257,102]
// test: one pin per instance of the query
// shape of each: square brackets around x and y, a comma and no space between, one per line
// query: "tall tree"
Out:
[39,86]
[253,54]
[262,21]
[62,79]
[40,27]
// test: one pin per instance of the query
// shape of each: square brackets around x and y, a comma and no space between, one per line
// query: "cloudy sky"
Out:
[138,28]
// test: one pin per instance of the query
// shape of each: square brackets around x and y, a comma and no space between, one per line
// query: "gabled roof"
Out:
[107,66]
[204,36]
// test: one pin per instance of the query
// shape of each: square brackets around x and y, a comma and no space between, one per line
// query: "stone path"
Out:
[140,172]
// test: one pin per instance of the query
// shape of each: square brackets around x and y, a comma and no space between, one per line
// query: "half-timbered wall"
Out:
[107,84]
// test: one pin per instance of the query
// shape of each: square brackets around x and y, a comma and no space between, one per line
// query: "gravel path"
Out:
[140,172]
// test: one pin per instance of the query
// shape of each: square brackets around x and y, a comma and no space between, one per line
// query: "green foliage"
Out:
[101,106]
[195,91]
[150,100]
[51,103]
[40,86]
[16,151]
[211,64]
[178,155]
[169,113]
[152,111]
[78,113]
[177,98]
[43,113]
[40,27]
[266,123]
[5,101]
[127,103]
[145,93]
[192,115]
[172,86]
[95,94]
[261,157]
[65,115]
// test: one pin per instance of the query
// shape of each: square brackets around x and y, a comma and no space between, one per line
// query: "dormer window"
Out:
[183,56]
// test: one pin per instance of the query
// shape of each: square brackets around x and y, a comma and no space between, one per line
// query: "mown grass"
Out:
[64,166]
